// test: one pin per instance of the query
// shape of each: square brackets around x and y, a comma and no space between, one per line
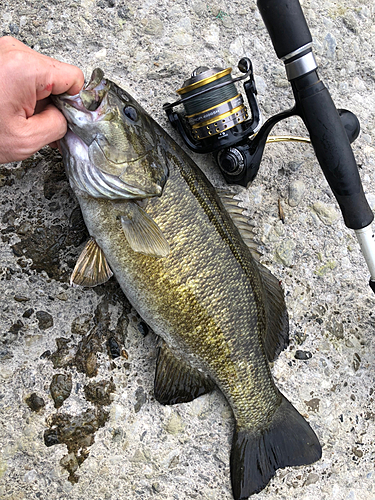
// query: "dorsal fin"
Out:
[176,381]
[276,337]
[92,268]
[241,222]
[277,332]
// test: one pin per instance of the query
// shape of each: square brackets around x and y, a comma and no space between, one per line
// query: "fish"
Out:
[183,254]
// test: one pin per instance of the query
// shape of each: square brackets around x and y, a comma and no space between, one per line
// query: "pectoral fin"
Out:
[142,232]
[92,268]
[176,381]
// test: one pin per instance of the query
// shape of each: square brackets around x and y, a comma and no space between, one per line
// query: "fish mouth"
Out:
[90,100]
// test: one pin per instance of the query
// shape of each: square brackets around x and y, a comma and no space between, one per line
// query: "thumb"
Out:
[49,125]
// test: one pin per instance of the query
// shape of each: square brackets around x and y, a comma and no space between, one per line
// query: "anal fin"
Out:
[92,268]
[176,381]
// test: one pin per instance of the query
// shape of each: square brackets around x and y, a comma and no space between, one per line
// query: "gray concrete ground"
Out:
[120,443]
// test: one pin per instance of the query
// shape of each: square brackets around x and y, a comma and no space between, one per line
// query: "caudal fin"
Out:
[255,456]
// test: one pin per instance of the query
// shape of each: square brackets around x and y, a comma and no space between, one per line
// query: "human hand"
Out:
[28,120]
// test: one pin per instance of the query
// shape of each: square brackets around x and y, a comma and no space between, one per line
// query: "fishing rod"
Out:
[216,120]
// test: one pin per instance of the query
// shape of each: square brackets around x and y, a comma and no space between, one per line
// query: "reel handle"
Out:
[332,149]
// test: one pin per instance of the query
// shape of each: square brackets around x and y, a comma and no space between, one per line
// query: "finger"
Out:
[56,78]
[41,105]
[44,128]
[13,42]
[50,75]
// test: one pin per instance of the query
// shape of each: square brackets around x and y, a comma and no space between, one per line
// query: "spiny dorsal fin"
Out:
[142,232]
[176,381]
[92,268]
[241,222]
[277,332]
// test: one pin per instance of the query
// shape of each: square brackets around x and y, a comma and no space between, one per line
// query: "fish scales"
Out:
[200,295]
[181,261]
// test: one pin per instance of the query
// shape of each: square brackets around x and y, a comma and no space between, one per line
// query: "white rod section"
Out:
[367,243]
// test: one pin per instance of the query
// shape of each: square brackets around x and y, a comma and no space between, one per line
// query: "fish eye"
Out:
[131,113]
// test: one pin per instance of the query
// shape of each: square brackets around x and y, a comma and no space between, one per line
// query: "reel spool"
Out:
[215,111]
[215,115]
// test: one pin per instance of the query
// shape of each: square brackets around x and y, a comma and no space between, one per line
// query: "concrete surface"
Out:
[128,446]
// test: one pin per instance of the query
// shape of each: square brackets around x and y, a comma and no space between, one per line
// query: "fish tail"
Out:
[255,456]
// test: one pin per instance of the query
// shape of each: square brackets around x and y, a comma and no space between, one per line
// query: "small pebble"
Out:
[285,252]
[14,29]
[113,347]
[312,478]
[16,327]
[60,388]
[5,354]
[357,452]
[81,324]
[35,402]
[21,298]
[141,398]
[175,424]
[326,213]
[28,313]
[303,355]
[356,361]
[51,437]
[156,487]
[30,476]
[45,320]
[296,192]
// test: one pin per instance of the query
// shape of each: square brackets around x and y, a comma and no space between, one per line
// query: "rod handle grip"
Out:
[286,25]
[332,149]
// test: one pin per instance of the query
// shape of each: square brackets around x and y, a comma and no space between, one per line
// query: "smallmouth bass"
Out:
[179,252]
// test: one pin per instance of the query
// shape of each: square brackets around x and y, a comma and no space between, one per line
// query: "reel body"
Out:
[215,116]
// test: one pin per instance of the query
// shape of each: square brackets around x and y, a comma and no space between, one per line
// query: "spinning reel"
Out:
[215,119]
